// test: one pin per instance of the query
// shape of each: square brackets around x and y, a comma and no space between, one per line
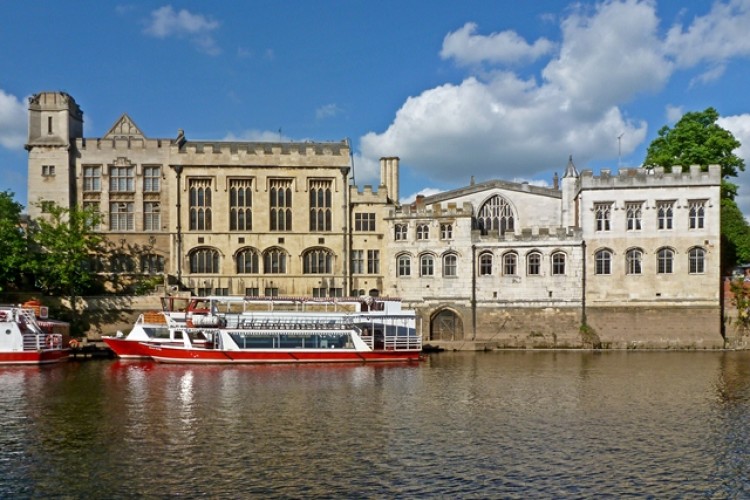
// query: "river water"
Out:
[507,424]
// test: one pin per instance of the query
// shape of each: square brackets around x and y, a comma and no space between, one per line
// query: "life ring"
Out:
[49,340]
[73,343]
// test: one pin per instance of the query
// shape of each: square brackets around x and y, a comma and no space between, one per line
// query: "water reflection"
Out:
[502,424]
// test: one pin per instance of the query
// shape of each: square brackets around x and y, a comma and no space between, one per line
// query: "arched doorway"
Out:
[446,325]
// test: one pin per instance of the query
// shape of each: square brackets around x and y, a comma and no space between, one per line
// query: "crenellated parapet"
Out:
[368,195]
[561,235]
[629,178]
[420,210]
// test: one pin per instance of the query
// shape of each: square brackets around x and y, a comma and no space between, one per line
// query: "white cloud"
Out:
[13,121]
[254,135]
[739,126]
[465,47]
[166,22]
[424,192]
[719,35]
[674,113]
[327,111]
[499,124]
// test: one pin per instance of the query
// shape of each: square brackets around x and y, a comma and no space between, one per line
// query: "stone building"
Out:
[634,257]
[625,260]
[223,218]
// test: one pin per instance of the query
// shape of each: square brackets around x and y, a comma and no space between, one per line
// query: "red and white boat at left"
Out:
[26,341]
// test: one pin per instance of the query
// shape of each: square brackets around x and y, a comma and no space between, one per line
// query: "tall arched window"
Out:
[634,261]
[485,264]
[510,264]
[204,261]
[603,262]
[534,264]
[247,261]
[274,261]
[317,261]
[450,265]
[558,264]
[320,205]
[495,214]
[240,205]
[665,261]
[426,265]
[697,261]
[403,265]
[280,202]
[200,204]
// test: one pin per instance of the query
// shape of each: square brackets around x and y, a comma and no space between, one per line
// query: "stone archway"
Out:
[445,324]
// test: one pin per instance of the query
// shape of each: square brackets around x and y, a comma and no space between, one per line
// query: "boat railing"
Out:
[393,342]
[288,322]
[37,342]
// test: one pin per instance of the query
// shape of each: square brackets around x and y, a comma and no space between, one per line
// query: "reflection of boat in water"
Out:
[289,330]
[24,341]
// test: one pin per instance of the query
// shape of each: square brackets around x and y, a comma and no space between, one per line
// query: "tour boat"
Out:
[290,330]
[152,326]
[24,341]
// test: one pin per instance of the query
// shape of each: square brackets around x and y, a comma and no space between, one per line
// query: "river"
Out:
[504,424]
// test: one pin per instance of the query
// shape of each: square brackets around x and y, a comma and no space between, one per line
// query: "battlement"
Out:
[655,177]
[419,209]
[122,144]
[539,234]
[368,195]
[266,148]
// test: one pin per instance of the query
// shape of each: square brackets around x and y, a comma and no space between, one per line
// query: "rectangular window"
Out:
[92,179]
[400,232]
[364,222]
[151,179]
[271,292]
[358,262]
[280,204]
[603,213]
[200,204]
[121,216]
[93,207]
[697,214]
[423,232]
[48,170]
[240,204]
[320,205]
[446,231]
[634,211]
[664,214]
[534,264]
[151,216]
[252,292]
[121,179]
[373,262]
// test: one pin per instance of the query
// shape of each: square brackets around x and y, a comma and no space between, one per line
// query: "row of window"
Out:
[422,232]
[510,262]
[121,213]
[664,215]
[275,261]
[665,261]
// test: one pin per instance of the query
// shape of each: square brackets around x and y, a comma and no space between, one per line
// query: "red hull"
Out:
[165,354]
[126,348]
[34,357]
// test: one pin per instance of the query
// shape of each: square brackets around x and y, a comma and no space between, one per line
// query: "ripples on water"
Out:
[498,424]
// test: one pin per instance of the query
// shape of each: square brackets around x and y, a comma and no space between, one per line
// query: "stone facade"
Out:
[624,260]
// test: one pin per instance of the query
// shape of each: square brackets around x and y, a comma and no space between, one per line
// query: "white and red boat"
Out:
[24,341]
[155,327]
[293,330]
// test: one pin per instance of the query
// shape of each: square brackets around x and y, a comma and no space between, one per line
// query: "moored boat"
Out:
[23,341]
[318,331]
[155,327]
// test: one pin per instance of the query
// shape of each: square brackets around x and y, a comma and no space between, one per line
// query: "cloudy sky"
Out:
[492,89]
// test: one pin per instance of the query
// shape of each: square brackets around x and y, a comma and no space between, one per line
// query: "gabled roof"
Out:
[493,184]
[124,127]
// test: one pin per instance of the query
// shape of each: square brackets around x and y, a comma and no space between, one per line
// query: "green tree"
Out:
[696,139]
[13,246]
[65,247]
[735,236]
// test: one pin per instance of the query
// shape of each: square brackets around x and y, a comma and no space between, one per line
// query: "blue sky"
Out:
[493,89]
